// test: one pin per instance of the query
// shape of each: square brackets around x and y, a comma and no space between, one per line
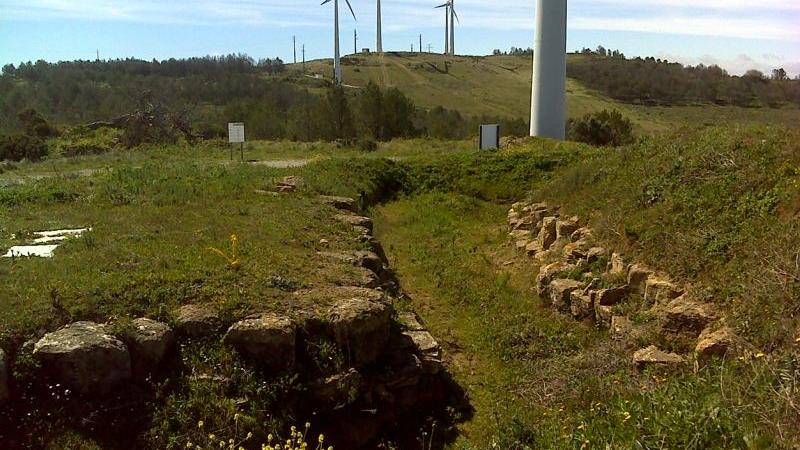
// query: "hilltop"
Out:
[499,85]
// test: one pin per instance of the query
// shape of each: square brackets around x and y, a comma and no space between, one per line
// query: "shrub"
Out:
[81,141]
[20,146]
[602,128]
[35,125]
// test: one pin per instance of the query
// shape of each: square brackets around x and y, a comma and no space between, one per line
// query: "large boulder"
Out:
[85,358]
[148,343]
[268,339]
[548,233]
[4,391]
[603,314]
[621,327]
[356,221]
[546,275]
[637,277]
[659,291]
[197,321]
[342,203]
[561,293]
[336,391]
[581,234]
[687,316]
[360,327]
[595,254]
[429,351]
[715,343]
[652,356]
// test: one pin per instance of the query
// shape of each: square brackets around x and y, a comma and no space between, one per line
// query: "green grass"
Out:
[538,379]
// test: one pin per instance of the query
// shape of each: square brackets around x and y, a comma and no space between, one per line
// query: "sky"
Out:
[735,34]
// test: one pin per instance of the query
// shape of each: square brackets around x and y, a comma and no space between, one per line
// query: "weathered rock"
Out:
[523,223]
[268,339]
[576,251]
[533,248]
[520,235]
[405,371]
[653,356]
[612,296]
[637,278]
[547,235]
[546,275]
[620,328]
[343,203]
[686,316]
[595,254]
[565,228]
[356,221]
[582,305]
[715,343]
[581,234]
[196,321]
[603,314]
[561,291]
[616,266]
[428,349]
[290,183]
[85,358]
[148,343]
[369,260]
[521,245]
[660,291]
[4,391]
[361,328]
[410,321]
[336,391]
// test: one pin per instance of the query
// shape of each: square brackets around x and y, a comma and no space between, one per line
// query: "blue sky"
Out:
[736,34]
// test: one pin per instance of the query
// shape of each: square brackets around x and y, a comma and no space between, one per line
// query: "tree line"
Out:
[660,82]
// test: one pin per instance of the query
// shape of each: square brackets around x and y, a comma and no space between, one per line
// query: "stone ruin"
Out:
[579,277]
[392,363]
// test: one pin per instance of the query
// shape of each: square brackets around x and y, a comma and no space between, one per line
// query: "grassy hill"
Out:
[500,86]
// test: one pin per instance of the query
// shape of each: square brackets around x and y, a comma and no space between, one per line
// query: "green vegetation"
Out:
[717,208]
[601,129]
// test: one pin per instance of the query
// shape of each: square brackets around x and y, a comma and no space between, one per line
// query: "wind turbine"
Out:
[450,18]
[379,45]
[446,7]
[337,63]
[548,96]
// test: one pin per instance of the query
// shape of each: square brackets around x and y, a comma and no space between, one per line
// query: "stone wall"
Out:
[392,364]
[580,277]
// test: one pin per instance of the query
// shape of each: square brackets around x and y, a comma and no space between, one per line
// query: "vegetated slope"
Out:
[501,84]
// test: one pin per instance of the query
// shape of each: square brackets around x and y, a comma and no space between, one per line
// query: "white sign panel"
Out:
[490,137]
[236,133]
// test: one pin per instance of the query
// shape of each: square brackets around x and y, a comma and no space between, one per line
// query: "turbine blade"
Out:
[456,15]
[351,10]
[325,2]
[440,6]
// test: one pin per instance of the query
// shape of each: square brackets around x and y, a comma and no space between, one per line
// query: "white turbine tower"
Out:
[450,18]
[548,96]
[337,63]
[379,45]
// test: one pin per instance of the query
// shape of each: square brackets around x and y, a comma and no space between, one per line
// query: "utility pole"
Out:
[355,42]
[412,48]
[304,58]
[420,43]
[98,54]
[294,47]
[430,48]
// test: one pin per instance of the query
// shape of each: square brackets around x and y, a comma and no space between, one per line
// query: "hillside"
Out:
[500,86]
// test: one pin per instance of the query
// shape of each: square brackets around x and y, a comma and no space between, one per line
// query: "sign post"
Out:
[490,137]
[236,136]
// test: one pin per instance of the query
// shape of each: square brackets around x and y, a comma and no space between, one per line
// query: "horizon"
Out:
[731,34]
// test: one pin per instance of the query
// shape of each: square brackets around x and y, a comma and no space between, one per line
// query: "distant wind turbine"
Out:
[446,7]
[337,63]
[450,18]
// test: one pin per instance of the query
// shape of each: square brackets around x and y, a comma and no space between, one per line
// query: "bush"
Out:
[35,125]
[20,146]
[604,128]
[366,145]
[81,141]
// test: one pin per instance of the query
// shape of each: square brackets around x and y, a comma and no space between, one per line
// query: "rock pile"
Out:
[583,279]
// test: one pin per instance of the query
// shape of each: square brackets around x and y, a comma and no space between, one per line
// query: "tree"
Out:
[370,111]
[339,117]
[9,70]
[398,115]
[779,75]
[34,124]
